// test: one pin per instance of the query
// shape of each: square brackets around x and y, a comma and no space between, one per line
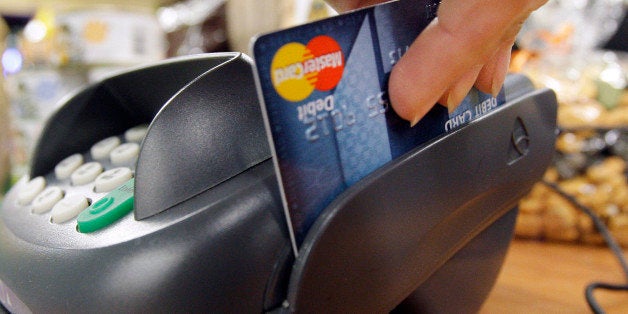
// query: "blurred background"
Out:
[576,47]
[51,48]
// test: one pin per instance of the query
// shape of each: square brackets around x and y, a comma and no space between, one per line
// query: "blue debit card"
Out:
[323,90]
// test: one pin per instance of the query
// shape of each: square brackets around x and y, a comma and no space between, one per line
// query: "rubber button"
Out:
[86,173]
[111,179]
[46,199]
[30,190]
[65,168]
[124,154]
[102,149]
[68,208]
[136,134]
[108,209]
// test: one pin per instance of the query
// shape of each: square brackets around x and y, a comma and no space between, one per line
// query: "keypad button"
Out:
[65,168]
[108,209]
[30,190]
[124,154]
[102,149]
[68,208]
[136,134]
[86,173]
[47,199]
[112,179]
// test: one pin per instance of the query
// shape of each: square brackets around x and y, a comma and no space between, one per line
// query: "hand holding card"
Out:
[469,45]
[324,93]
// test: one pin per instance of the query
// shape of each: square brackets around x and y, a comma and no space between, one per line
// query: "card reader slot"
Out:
[381,233]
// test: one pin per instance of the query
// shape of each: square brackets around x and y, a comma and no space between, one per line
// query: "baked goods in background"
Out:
[590,162]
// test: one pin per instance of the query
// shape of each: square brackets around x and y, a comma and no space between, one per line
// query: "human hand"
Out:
[468,45]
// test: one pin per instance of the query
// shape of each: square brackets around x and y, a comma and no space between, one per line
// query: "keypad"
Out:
[67,166]
[31,190]
[136,134]
[124,153]
[111,179]
[81,181]
[68,208]
[46,199]
[86,173]
[102,149]
[108,209]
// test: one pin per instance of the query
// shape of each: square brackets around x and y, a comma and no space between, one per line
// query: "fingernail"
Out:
[455,97]
[495,89]
[500,75]
[496,84]
[415,121]
[451,104]
[462,88]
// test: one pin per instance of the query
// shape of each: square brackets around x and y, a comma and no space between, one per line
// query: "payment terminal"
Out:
[154,190]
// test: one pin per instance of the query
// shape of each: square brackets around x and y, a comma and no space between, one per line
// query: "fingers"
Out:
[423,74]
[492,76]
[468,44]
[456,93]
[431,67]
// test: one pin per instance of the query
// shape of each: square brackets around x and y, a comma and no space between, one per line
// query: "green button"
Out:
[108,209]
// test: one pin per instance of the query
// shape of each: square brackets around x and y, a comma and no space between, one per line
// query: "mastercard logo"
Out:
[298,69]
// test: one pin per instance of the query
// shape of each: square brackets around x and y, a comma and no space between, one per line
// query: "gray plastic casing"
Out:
[426,232]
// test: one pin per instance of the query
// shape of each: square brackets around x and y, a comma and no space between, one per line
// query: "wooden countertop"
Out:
[542,277]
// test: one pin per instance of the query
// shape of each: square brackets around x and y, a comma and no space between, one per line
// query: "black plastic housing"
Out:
[427,232]
[387,235]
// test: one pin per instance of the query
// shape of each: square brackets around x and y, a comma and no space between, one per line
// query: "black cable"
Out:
[610,241]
